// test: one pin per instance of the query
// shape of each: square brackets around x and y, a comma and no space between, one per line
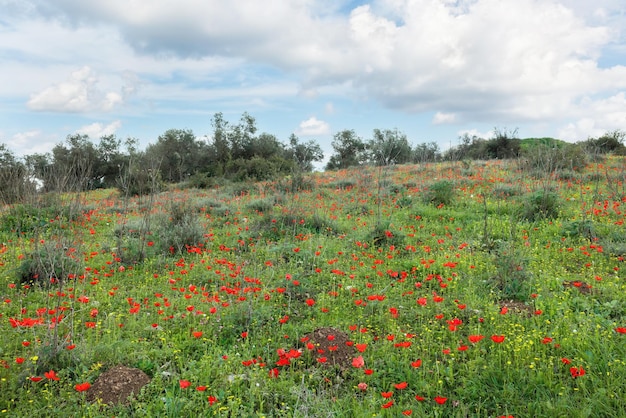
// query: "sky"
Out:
[433,69]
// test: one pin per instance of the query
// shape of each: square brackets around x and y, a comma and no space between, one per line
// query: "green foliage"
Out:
[389,147]
[412,293]
[54,261]
[384,235]
[543,160]
[610,143]
[47,214]
[349,150]
[541,204]
[15,185]
[179,229]
[512,280]
[440,192]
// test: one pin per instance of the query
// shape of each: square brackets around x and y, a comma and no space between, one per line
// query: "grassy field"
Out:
[439,290]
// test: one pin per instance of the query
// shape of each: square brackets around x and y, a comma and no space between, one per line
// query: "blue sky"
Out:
[434,69]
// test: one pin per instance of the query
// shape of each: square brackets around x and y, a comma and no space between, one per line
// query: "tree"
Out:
[14,181]
[75,165]
[389,147]
[349,150]
[304,154]
[426,152]
[111,159]
[611,142]
[505,144]
[178,153]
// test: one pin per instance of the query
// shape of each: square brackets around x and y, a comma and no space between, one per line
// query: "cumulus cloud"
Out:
[472,61]
[479,59]
[597,117]
[312,127]
[78,94]
[97,129]
[34,141]
[443,118]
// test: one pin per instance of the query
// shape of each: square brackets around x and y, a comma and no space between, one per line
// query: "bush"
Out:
[542,204]
[53,262]
[544,160]
[440,193]
[179,229]
[27,219]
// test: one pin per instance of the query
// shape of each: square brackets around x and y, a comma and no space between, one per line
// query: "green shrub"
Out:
[506,190]
[52,262]
[261,205]
[542,204]
[440,193]
[179,229]
[49,213]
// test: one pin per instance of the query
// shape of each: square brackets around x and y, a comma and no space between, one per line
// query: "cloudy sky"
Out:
[433,69]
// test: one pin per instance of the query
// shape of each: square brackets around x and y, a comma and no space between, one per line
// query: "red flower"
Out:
[407,412]
[197,334]
[401,385]
[620,330]
[19,360]
[212,400]
[462,348]
[51,375]
[475,338]
[497,338]
[419,398]
[81,387]
[546,340]
[565,360]
[440,400]
[184,384]
[358,362]
[388,405]
[361,347]
[577,372]
[274,372]
[417,363]
[310,302]
[35,379]
[386,395]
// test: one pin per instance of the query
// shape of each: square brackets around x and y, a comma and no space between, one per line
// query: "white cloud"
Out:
[34,141]
[312,127]
[476,133]
[472,61]
[444,118]
[97,129]
[78,94]
[597,117]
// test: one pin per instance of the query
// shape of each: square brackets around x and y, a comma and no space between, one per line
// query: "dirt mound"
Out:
[333,345]
[117,384]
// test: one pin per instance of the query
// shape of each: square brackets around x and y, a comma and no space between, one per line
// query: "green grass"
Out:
[228,279]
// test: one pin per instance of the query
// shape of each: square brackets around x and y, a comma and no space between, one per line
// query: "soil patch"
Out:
[332,344]
[117,385]
[582,287]
[519,308]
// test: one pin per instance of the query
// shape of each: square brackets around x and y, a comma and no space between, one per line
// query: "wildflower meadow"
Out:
[448,289]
